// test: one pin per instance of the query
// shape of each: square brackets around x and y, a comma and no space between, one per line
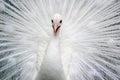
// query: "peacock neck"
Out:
[51,68]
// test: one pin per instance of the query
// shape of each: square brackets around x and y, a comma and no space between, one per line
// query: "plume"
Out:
[89,41]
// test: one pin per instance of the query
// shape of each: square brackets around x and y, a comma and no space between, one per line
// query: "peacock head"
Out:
[56,23]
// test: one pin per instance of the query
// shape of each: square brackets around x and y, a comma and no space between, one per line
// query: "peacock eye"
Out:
[60,21]
[52,21]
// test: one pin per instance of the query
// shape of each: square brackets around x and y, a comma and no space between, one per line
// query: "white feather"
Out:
[2,6]
[89,42]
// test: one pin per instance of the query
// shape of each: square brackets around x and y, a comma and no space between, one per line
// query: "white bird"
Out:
[59,40]
[51,67]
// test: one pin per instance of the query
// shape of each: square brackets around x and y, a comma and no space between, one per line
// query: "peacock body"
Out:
[86,48]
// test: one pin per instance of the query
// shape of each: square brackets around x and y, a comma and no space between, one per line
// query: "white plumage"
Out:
[87,47]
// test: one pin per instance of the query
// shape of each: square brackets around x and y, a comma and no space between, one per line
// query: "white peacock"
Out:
[82,42]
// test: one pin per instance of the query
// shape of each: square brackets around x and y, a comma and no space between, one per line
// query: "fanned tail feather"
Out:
[89,43]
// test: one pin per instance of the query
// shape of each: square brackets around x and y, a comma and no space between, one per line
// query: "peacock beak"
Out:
[55,28]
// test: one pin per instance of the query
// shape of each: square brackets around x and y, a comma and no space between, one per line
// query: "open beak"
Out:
[56,28]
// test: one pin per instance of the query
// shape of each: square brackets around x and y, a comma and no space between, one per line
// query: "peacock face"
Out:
[56,23]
